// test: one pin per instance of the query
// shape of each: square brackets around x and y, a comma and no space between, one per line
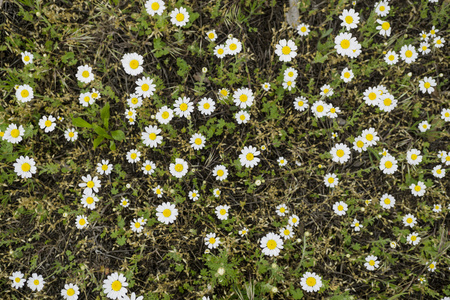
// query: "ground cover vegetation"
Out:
[227,149]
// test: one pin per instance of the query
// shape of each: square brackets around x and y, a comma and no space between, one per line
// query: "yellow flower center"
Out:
[137,224]
[294,220]
[286,232]
[105,167]
[447,114]
[332,110]
[155,5]
[340,208]
[439,171]
[424,126]
[70,292]
[437,207]
[48,123]
[360,144]
[82,222]
[438,42]
[17,279]
[345,44]
[409,220]
[158,191]
[387,101]
[212,241]
[290,74]
[116,285]
[220,173]
[424,48]
[320,108]
[145,87]
[89,200]
[94,95]
[286,50]
[408,53]
[36,282]
[325,91]
[87,99]
[211,35]
[340,153]
[26,58]
[431,266]
[413,238]
[152,136]
[24,93]
[372,262]
[310,281]
[356,224]
[414,157]
[165,115]
[223,211]
[167,213]
[133,155]
[183,106]
[243,98]
[369,137]
[124,202]
[433,31]
[331,180]
[387,201]
[242,117]
[85,74]
[289,83]
[148,167]
[347,75]
[388,165]
[134,64]
[179,167]
[300,103]
[179,17]
[198,141]
[271,244]
[282,210]
[303,29]
[206,106]
[134,100]
[349,19]
[220,51]
[382,8]
[90,184]
[15,133]
[417,188]
[391,57]
[282,161]
[427,85]
[249,156]
[244,231]
[224,92]
[386,26]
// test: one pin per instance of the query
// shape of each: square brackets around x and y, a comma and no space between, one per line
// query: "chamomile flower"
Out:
[418,189]
[384,27]
[248,157]
[413,157]
[17,280]
[340,153]
[148,167]
[371,96]
[271,244]
[90,184]
[282,161]
[388,164]
[301,103]
[133,156]
[293,220]
[333,111]
[345,43]
[288,85]
[84,74]
[387,102]
[371,263]
[155,7]
[287,232]
[382,8]
[438,172]
[427,85]
[36,282]
[114,286]
[424,36]
[124,202]
[164,115]
[197,141]
[222,212]
[27,57]
[89,200]
[134,101]
[243,232]
[424,48]
[206,106]
[439,42]
[408,54]
[179,168]
[81,222]
[104,168]
[179,17]
[266,86]
[350,19]
[24,93]
[445,114]
[132,63]
[381,89]
[424,126]
[242,117]
[145,87]
[220,172]
[86,99]
[70,291]
[347,75]
[371,136]
[25,167]
[243,97]
[138,224]
[211,241]
[387,201]
[233,46]
[285,49]
[433,31]
[331,180]
[356,225]
[437,208]
[159,191]
[14,133]
[320,109]
[326,90]
[211,35]
[220,51]
[183,107]
[216,193]
[166,213]
[193,195]
[303,29]
[47,123]
[391,57]
[432,266]
[360,144]
[224,93]
[334,135]
[290,74]
[413,238]
[282,210]
[409,220]
[340,208]
[150,137]
[311,282]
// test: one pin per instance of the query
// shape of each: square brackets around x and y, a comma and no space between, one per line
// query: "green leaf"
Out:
[121,241]
[79,122]
[112,146]
[97,141]
[100,131]
[104,113]
[118,135]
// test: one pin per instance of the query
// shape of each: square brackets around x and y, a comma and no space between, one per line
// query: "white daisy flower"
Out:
[17,280]
[333,112]
[371,136]
[382,8]
[347,75]
[220,51]
[311,282]
[84,74]
[413,157]
[301,103]
[211,35]
[345,44]
[320,109]
[438,172]
[179,168]
[164,115]
[248,157]
[27,57]
[222,212]
[340,208]
[211,241]
[155,7]
[243,232]
[282,210]
[206,106]
[36,282]
[193,195]
[47,123]
[285,49]
[293,220]
[243,97]
[221,172]
[437,208]
[183,107]
[179,17]
[71,135]
[138,224]
[424,126]
[166,213]
[303,29]
[424,48]
[89,200]
[409,220]
[445,114]
[326,90]
[360,144]
[371,96]
[233,46]
[14,133]
[439,42]
[331,180]
[391,57]
[81,222]
[132,63]
[371,263]
[90,184]
[432,266]
[145,87]
[216,193]
[418,189]
[70,291]
[159,191]
[86,99]
[350,19]
[150,137]
[290,74]
[387,201]
[427,85]
[281,161]
[288,85]
[197,141]
[388,164]
[387,102]
[271,244]
[134,101]
[124,202]
[24,93]
[148,167]
[433,31]
[114,286]
[266,86]
[424,36]
[242,117]
[384,27]
[357,225]
[25,167]
[104,168]
[287,232]
[340,153]
[133,156]
[413,238]
[408,53]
